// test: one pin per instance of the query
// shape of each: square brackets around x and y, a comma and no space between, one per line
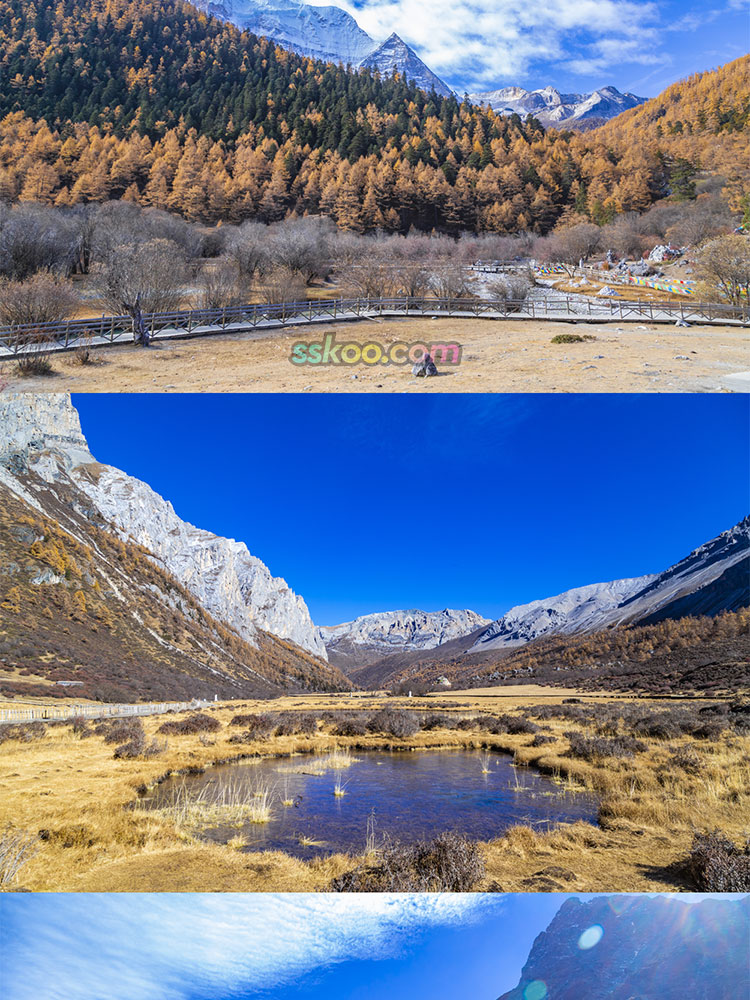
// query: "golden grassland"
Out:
[93,840]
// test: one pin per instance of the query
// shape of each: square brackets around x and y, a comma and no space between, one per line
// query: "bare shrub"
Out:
[248,247]
[715,864]
[723,264]
[372,277]
[450,282]
[257,725]
[41,298]
[196,722]
[281,285]
[512,289]
[23,731]
[394,722]
[351,725]
[594,747]
[449,863]
[140,277]
[32,351]
[303,247]
[16,849]
[135,747]
[570,246]
[36,238]
[119,730]
[220,285]
[438,720]
[540,739]
[411,280]
[515,725]
[687,760]
[81,728]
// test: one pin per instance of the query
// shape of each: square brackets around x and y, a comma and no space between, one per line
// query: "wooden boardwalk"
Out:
[108,330]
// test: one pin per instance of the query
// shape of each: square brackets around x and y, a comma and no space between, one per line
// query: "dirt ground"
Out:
[77,800]
[499,356]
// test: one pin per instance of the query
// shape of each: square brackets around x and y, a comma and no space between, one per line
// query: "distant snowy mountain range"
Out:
[714,577]
[371,637]
[331,34]
[551,107]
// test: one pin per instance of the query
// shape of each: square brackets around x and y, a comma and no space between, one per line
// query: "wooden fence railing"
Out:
[201,322]
[33,713]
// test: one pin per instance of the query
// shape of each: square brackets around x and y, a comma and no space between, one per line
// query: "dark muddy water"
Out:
[410,796]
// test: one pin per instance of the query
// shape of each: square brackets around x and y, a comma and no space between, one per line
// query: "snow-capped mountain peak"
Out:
[327,33]
[394,55]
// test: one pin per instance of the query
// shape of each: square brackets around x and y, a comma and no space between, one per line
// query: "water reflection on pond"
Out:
[411,796]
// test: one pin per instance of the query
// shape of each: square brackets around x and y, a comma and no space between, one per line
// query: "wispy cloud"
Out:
[172,947]
[489,42]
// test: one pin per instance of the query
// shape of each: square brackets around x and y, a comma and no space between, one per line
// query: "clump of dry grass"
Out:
[716,864]
[449,863]
[229,803]
[16,849]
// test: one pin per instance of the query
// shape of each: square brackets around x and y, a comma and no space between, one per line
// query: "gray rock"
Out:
[425,367]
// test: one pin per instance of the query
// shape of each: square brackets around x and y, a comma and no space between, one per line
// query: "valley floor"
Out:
[78,800]
[498,356]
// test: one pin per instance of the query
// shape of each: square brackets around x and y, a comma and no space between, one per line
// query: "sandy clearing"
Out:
[500,356]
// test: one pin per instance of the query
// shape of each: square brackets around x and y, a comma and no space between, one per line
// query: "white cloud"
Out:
[492,42]
[170,947]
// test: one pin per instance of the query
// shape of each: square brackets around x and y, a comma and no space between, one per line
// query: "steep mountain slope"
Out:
[633,947]
[554,109]
[246,629]
[703,118]
[368,638]
[326,33]
[81,606]
[715,577]
[395,56]
[232,585]
[579,610]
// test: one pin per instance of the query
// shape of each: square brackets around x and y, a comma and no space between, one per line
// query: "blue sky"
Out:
[574,45]
[272,947]
[367,503]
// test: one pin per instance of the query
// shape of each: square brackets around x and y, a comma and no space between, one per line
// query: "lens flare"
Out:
[590,937]
[536,990]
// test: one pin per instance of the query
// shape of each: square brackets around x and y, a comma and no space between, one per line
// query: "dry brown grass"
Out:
[80,798]
[512,355]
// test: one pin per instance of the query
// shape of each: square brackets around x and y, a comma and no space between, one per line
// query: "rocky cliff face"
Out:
[232,585]
[638,948]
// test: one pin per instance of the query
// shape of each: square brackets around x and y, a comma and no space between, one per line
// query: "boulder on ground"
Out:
[425,367]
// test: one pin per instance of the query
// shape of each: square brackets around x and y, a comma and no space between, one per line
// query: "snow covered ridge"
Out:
[714,577]
[551,107]
[230,583]
[327,33]
[394,631]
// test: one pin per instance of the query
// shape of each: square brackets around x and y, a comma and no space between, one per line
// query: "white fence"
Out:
[42,713]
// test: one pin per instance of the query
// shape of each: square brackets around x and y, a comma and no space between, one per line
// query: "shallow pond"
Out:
[410,796]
